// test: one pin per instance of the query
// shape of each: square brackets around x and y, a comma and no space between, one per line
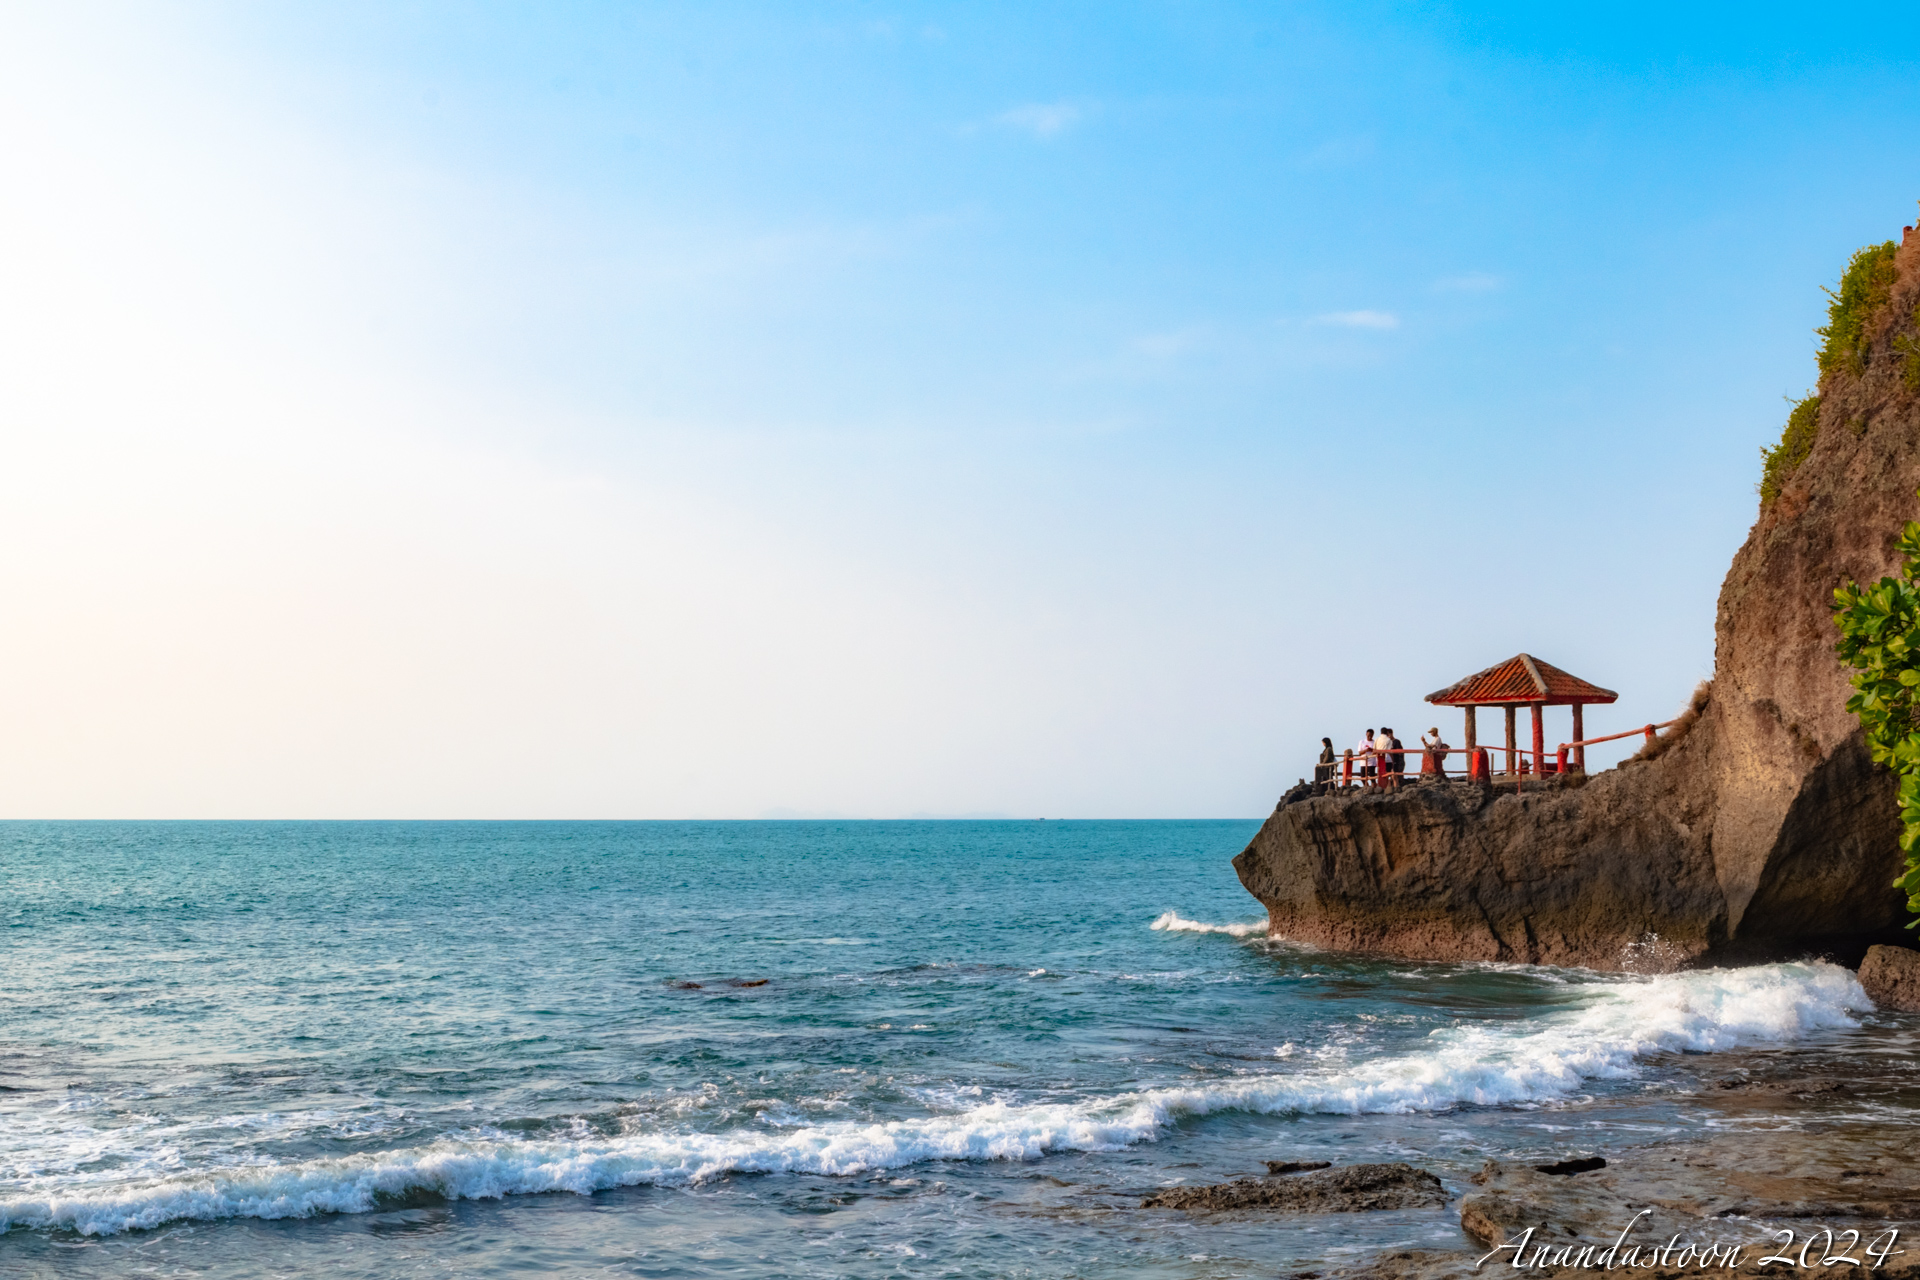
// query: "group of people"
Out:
[1381,758]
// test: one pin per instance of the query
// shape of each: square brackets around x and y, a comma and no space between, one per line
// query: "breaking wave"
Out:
[1490,1064]
[1174,922]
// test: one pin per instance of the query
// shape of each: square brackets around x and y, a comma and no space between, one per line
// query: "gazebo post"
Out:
[1539,740]
[1512,769]
[1471,744]
[1579,753]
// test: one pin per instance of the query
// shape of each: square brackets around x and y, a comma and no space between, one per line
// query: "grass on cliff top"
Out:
[1779,462]
[1863,290]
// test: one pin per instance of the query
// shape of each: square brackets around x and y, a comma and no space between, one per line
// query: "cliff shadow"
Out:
[1827,885]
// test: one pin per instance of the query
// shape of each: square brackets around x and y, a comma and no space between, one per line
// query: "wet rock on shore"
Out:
[1891,976]
[1352,1189]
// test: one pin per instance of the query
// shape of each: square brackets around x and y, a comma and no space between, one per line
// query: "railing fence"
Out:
[1433,762]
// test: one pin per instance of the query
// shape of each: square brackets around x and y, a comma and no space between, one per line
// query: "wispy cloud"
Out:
[692,254]
[1338,152]
[1167,353]
[1472,282]
[1360,319]
[1165,346]
[1041,119]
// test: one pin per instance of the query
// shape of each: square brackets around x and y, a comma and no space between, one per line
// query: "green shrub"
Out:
[1863,288]
[1880,639]
[1779,462]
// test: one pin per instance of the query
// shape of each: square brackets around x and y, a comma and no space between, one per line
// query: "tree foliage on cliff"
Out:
[1880,639]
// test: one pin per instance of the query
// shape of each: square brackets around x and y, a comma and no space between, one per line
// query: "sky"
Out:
[860,410]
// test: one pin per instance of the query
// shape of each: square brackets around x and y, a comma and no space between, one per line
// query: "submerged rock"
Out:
[1347,1190]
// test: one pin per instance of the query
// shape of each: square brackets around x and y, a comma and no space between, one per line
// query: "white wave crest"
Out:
[1487,1064]
[1174,922]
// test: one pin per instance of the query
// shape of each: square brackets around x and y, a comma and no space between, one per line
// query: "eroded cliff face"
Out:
[1765,832]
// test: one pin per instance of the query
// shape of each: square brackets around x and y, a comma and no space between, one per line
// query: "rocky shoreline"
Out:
[1784,1163]
[1722,1206]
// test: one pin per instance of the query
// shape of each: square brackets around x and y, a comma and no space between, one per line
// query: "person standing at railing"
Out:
[1399,757]
[1323,771]
[1433,754]
[1365,750]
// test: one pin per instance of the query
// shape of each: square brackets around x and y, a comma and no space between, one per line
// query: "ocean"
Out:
[691,1049]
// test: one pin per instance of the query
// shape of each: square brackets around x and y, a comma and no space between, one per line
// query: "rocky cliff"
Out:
[1763,831]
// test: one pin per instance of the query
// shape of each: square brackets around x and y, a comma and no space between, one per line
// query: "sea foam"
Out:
[1545,1059]
[1174,922]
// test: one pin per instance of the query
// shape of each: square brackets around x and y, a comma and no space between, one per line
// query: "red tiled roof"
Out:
[1520,679]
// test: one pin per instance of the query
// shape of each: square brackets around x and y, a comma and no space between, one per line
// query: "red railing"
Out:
[1433,761]
[1612,737]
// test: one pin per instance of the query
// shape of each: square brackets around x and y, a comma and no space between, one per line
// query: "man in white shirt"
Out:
[1366,751]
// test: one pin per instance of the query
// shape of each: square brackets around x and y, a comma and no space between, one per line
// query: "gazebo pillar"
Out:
[1512,768]
[1539,740]
[1579,753]
[1471,743]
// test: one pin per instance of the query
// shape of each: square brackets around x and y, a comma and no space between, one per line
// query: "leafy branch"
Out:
[1880,639]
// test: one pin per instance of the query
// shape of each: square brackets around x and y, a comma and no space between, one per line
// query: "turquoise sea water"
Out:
[745,1049]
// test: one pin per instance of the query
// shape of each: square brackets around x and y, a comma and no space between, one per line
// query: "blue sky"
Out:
[729,410]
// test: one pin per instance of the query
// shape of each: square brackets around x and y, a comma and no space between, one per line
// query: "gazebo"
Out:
[1524,681]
